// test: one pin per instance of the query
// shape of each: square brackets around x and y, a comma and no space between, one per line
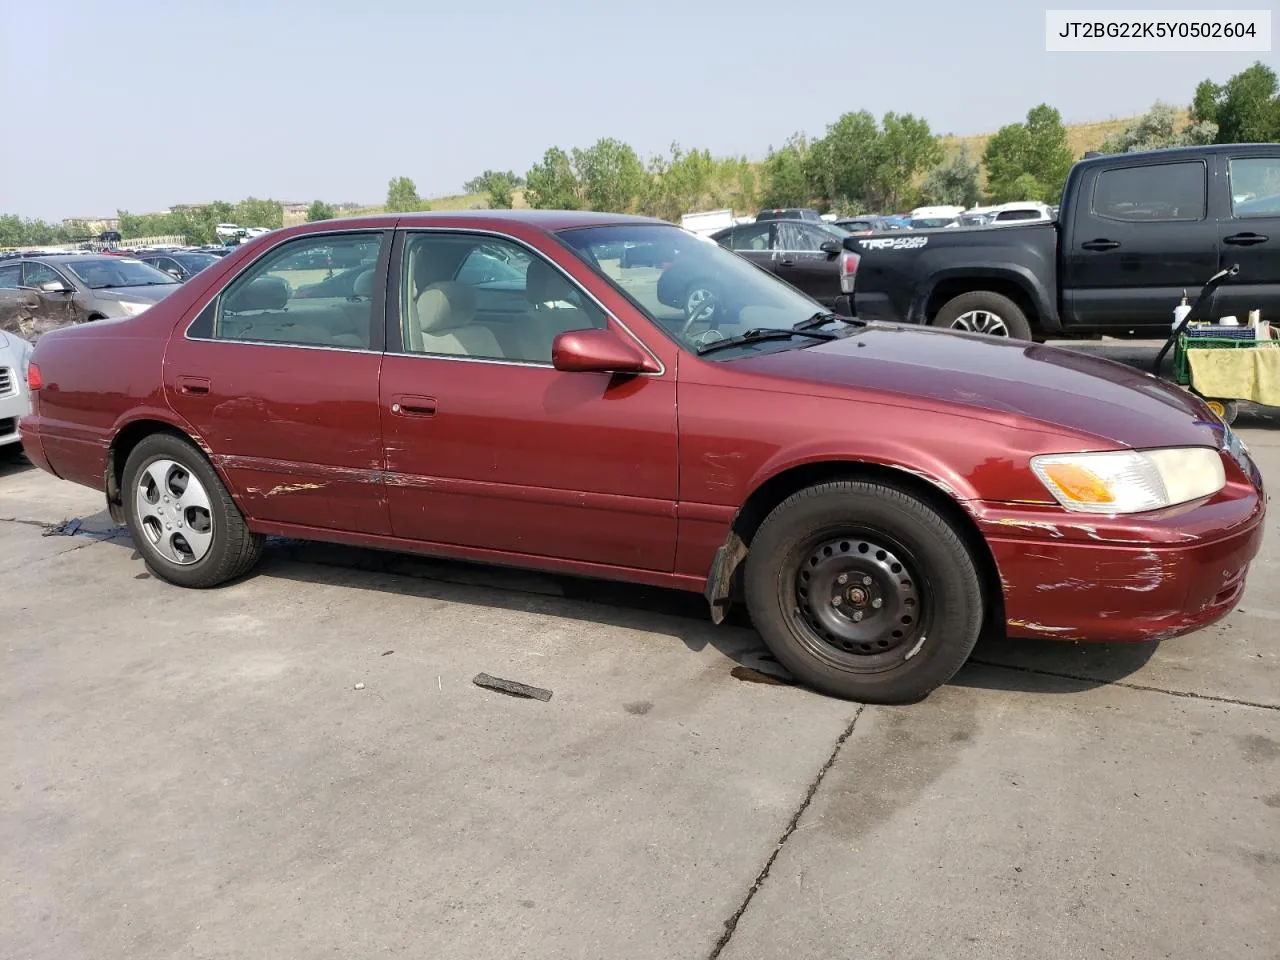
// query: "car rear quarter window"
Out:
[1160,191]
[1255,186]
[313,291]
[484,297]
[754,236]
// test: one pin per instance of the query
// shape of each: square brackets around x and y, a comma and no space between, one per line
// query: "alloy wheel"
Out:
[981,321]
[174,512]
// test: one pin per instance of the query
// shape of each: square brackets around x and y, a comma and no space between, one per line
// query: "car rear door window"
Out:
[486,298]
[1255,186]
[314,291]
[10,276]
[1161,191]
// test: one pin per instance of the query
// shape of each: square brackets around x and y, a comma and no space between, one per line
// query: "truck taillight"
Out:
[34,381]
[848,271]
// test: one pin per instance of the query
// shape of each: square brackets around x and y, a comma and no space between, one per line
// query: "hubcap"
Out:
[173,511]
[700,305]
[859,600]
[981,321]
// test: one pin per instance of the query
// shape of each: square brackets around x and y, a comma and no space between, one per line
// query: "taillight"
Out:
[34,380]
[848,271]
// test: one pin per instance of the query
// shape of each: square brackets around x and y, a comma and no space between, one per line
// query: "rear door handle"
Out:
[1245,239]
[1100,244]
[407,405]
[198,386]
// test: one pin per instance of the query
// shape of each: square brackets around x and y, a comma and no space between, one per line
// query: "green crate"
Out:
[1182,368]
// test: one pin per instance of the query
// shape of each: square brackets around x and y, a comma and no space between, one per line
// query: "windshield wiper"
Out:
[822,318]
[758,334]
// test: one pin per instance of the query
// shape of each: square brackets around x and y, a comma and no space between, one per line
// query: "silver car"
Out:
[38,294]
[15,355]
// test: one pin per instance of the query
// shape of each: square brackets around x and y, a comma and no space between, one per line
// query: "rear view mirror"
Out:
[55,286]
[831,248]
[597,351]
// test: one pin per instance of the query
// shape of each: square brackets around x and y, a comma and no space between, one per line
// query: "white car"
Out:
[15,354]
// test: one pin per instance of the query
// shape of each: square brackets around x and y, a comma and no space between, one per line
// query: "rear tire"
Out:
[982,311]
[864,592]
[182,519]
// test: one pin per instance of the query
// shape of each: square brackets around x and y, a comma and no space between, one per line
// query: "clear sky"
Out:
[139,105]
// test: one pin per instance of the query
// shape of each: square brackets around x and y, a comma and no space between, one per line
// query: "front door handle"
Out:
[412,406]
[1100,244]
[788,262]
[1245,239]
[194,386]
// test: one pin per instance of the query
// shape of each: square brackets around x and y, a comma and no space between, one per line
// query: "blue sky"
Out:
[139,105]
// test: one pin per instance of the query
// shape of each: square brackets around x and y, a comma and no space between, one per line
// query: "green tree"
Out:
[500,197]
[485,182]
[1037,148]
[784,181]
[1158,128]
[956,182]
[252,212]
[319,210]
[904,146]
[402,196]
[553,184]
[840,167]
[1248,109]
[610,174]
[1204,105]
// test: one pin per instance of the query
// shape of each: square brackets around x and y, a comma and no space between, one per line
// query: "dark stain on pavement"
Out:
[638,707]
[1259,749]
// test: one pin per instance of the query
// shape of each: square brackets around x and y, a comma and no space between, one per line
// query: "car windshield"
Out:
[195,262]
[697,292]
[102,273]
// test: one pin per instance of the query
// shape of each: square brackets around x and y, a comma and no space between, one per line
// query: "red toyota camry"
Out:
[610,396]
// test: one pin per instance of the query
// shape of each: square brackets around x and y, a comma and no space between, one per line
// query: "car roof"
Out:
[542,219]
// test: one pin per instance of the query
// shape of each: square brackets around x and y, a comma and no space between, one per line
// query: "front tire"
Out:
[863,591]
[982,311]
[182,519]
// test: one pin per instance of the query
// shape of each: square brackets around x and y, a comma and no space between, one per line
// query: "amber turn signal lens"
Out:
[1078,483]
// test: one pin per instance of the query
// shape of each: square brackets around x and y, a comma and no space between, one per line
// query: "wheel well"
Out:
[948,290]
[776,489]
[95,316]
[122,444]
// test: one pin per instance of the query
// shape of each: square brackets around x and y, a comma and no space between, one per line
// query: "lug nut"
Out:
[843,578]
[877,603]
[866,581]
[835,601]
[857,615]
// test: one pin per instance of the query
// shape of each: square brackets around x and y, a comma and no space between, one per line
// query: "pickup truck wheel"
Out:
[982,311]
[182,519]
[863,591]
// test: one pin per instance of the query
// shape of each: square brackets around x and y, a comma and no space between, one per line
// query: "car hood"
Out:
[144,294]
[1000,379]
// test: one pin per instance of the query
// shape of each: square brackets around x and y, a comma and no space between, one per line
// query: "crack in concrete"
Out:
[1128,685]
[731,924]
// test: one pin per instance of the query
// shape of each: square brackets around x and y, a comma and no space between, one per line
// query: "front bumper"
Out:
[1071,576]
[13,406]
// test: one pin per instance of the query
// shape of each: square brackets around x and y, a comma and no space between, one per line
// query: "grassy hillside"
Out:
[1081,137]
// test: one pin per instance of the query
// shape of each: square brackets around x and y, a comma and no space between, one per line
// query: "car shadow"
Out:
[14,462]
[996,663]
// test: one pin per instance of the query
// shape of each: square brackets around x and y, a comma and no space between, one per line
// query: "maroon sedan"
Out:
[500,387]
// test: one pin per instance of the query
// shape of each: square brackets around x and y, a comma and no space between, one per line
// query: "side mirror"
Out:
[55,286]
[175,273]
[597,351]
[831,248]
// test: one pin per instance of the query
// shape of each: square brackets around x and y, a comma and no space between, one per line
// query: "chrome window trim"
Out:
[533,251]
[217,292]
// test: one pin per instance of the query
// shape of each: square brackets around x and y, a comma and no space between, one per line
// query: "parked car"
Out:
[1021,212]
[15,353]
[935,223]
[810,256]
[1134,230]
[789,213]
[876,494]
[181,265]
[39,294]
[975,219]
[867,224]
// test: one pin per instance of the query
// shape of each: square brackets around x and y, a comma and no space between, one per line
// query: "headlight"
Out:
[131,308]
[1130,481]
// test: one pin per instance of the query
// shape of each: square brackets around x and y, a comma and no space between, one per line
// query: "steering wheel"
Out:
[700,303]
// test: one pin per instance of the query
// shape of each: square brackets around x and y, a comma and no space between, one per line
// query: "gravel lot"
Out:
[201,774]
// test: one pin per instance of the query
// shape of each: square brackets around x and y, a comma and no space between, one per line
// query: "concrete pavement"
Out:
[195,774]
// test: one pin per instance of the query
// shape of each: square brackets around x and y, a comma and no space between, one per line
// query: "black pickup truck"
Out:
[1134,231]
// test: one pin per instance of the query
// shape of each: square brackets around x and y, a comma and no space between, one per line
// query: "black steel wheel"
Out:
[864,591]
